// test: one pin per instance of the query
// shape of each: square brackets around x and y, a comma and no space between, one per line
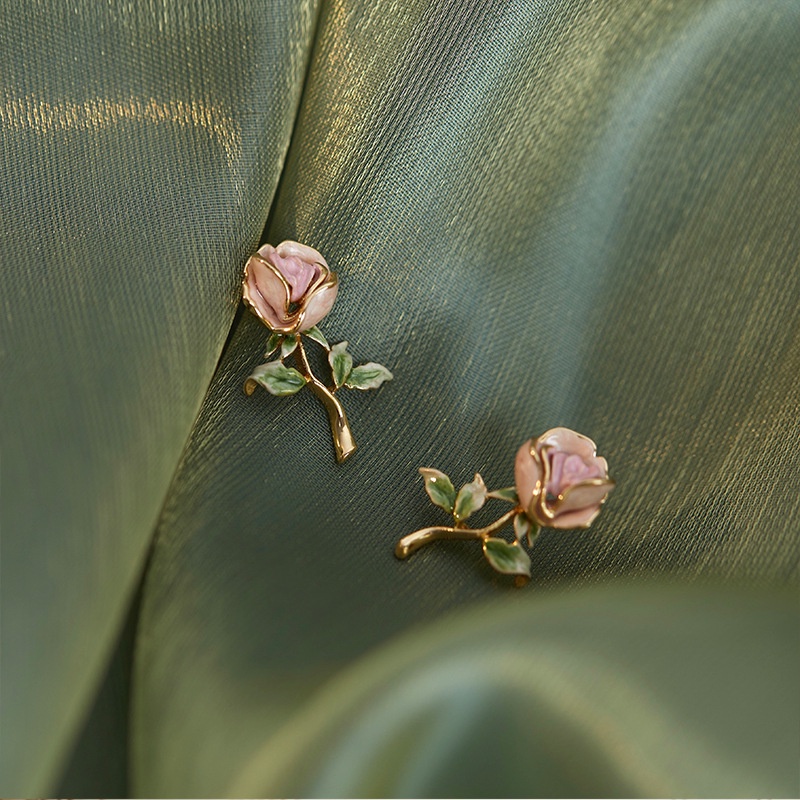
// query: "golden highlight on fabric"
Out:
[32,113]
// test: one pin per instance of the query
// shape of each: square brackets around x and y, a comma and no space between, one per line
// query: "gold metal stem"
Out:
[413,541]
[343,440]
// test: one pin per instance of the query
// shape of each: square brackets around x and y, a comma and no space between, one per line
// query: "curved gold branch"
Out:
[413,541]
[343,440]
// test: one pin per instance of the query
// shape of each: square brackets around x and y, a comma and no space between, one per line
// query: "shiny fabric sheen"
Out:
[542,214]
[141,146]
[563,695]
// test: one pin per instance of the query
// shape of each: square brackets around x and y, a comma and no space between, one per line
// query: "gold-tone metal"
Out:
[538,503]
[268,292]
[413,541]
[343,440]
[539,500]
[538,491]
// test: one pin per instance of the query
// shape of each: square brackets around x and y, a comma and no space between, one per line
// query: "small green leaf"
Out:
[509,494]
[341,363]
[273,343]
[368,376]
[470,498]
[439,488]
[316,335]
[288,346]
[277,379]
[510,559]
[533,533]
[524,528]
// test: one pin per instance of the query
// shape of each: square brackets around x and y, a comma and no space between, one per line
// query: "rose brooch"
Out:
[290,288]
[560,482]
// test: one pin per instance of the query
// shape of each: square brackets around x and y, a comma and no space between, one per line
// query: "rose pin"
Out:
[291,288]
[560,482]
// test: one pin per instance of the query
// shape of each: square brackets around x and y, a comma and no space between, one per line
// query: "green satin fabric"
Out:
[570,695]
[560,213]
[142,145]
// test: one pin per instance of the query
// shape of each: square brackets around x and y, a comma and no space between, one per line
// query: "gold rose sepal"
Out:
[290,288]
[560,482]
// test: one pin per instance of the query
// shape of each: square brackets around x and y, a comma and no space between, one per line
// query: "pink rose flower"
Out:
[561,481]
[289,287]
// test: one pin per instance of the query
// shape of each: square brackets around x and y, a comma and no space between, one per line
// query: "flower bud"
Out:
[561,481]
[290,288]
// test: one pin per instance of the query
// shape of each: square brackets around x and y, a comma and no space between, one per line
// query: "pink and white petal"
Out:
[568,469]
[298,273]
[582,518]
[290,248]
[318,306]
[266,293]
[583,495]
[577,470]
[265,251]
[567,441]
[555,461]
[527,474]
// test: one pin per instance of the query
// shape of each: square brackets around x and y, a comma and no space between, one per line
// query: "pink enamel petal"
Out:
[577,470]
[303,251]
[299,274]
[583,495]
[567,441]
[527,475]
[319,305]
[569,469]
[266,250]
[575,519]
[556,462]
[266,293]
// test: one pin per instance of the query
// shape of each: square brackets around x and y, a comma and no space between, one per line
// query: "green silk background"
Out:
[542,213]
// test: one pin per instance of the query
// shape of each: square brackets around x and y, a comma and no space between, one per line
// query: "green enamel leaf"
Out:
[273,343]
[315,334]
[277,379]
[509,494]
[470,498]
[341,363]
[368,376]
[510,559]
[533,533]
[524,528]
[288,346]
[439,488]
